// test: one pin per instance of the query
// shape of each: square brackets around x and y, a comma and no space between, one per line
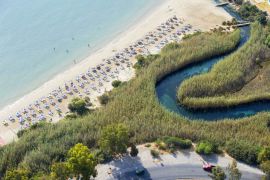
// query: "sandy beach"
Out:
[201,14]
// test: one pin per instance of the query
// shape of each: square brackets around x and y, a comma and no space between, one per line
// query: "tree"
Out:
[114,139]
[116,83]
[60,171]
[264,154]
[17,174]
[134,151]
[78,105]
[81,162]
[206,148]
[234,173]
[218,173]
[265,166]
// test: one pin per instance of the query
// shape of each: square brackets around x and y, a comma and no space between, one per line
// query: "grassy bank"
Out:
[135,104]
[217,88]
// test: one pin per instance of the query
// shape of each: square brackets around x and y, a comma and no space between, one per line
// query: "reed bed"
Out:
[135,104]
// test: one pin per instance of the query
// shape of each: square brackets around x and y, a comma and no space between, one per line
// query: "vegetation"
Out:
[116,83]
[267,41]
[103,99]
[228,76]
[78,106]
[234,173]
[114,139]
[251,13]
[135,105]
[218,173]
[264,154]
[17,174]
[81,162]
[154,153]
[173,143]
[60,171]
[243,151]
[134,151]
[143,61]
[265,166]
[206,148]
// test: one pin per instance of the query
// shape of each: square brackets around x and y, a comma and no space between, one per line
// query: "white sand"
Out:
[201,14]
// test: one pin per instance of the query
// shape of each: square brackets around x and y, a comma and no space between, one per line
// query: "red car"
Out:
[208,167]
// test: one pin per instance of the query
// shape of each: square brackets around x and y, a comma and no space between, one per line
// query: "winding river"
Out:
[166,89]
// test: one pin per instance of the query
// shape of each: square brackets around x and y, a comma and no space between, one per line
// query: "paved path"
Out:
[185,164]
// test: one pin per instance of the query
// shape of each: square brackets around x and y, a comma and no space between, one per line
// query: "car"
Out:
[140,171]
[208,167]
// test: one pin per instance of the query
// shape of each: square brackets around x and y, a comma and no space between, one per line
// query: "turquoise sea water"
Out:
[39,39]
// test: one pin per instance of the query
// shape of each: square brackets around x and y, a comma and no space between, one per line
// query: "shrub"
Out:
[161,145]
[243,151]
[206,148]
[88,101]
[71,116]
[134,151]
[218,173]
[265,166]
[147,145]
[143,61]
[114,139]
[264,154]
[103,99]
[17,174]
[267,41]
[251,13]
[78,106]
[116,83]
[154,153]
[175,142]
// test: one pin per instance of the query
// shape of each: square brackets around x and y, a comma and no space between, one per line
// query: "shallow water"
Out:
[166,90]
[42,38]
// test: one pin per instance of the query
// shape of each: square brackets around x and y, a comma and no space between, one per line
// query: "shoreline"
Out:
[147,22]
[80,60]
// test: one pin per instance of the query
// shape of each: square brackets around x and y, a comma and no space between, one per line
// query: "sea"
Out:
[41,38]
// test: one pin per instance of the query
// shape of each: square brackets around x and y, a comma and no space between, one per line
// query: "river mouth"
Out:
[166,88]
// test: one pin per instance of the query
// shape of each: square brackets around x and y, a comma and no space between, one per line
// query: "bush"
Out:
[267,41]
[206,148]
[71,116]
[147,145]
[265,166]
[218,173]
[103,99]
[175,142]
[88,101]
[264,154]
[161,145]
[154,153]
[251,13]
[243,151]
[78,106]
[116,83]
[143,61]
[114,139]
[134,151]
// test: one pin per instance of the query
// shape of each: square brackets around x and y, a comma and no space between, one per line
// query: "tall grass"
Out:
[214,89]
[135,104]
